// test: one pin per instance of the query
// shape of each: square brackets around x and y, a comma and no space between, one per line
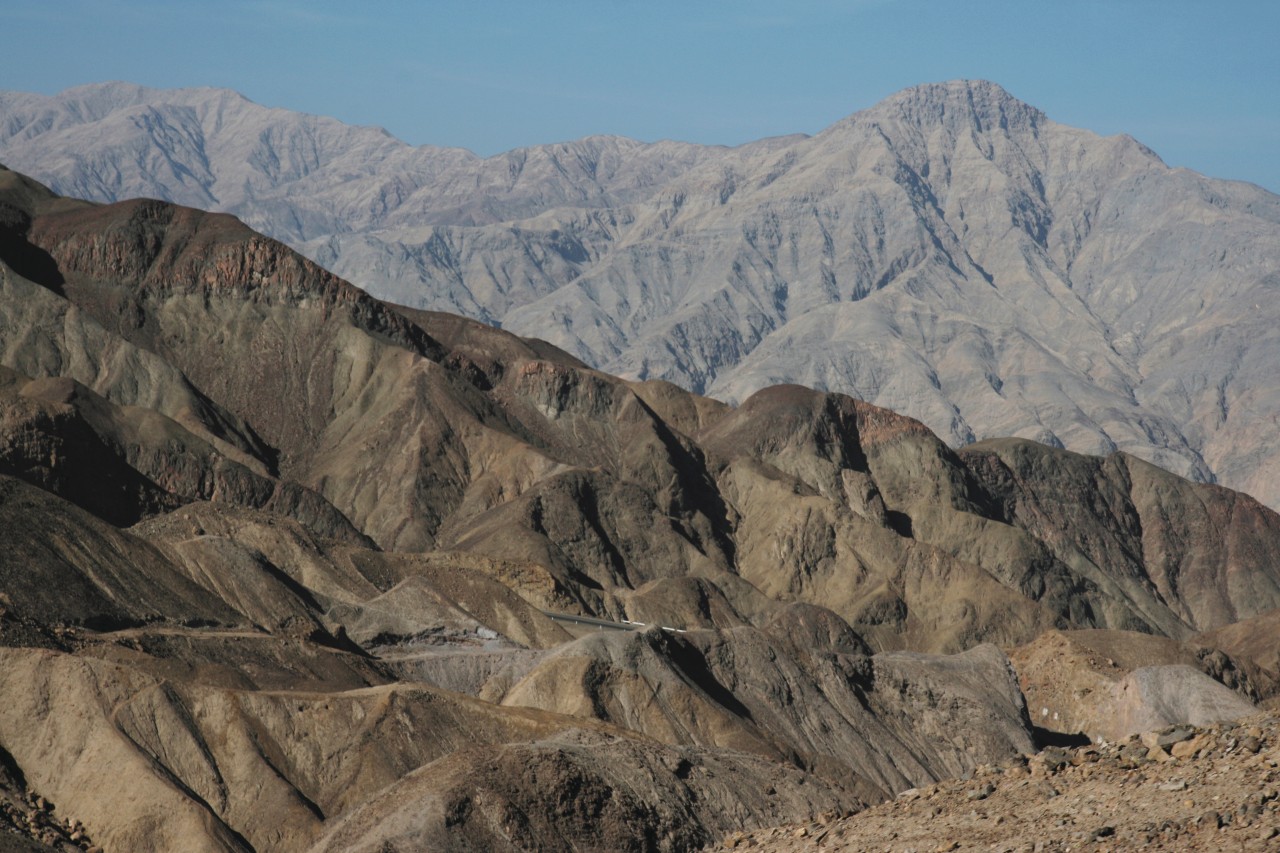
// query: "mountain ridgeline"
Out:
[286,557]
[952,253]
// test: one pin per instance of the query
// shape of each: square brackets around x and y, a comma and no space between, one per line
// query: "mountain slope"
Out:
[273,384]
[951,252]
[361,538]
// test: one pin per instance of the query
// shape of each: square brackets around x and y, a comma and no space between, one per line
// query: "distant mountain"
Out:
[950,253]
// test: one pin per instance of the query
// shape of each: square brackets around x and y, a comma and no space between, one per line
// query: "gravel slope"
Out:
[1208,789]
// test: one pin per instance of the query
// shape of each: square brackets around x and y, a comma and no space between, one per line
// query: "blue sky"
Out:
[1197,80]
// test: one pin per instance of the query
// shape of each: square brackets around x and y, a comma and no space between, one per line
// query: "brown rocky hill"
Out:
[282,556]
[296,392]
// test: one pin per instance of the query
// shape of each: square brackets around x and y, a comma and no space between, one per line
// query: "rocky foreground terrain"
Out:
[285,567]
[1183,788]
[953,254]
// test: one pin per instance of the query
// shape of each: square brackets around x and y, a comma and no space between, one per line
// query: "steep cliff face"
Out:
[955,254]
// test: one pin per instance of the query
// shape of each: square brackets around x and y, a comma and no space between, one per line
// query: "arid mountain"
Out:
[302,568]
[214,364]
[950,253]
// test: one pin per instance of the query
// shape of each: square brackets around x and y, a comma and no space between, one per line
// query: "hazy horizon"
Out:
[1198,84]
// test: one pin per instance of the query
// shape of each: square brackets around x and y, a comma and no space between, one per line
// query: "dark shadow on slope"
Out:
[107,623]
[10,772]
[27,260]
[318,635]
[1065,740]
[690,662]
[697,491]
[67,458]
[899,522]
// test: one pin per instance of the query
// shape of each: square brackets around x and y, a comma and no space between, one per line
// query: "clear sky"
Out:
[1196,80]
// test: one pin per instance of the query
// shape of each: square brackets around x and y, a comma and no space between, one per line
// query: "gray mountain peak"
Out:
[951,253]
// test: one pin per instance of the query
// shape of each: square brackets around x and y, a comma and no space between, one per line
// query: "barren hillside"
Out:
[285,567]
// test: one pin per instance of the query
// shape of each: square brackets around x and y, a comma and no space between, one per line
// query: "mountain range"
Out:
[287,567]
[950,253]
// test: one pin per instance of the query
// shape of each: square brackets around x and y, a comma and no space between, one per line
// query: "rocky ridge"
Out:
[616,490]
[955,254]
